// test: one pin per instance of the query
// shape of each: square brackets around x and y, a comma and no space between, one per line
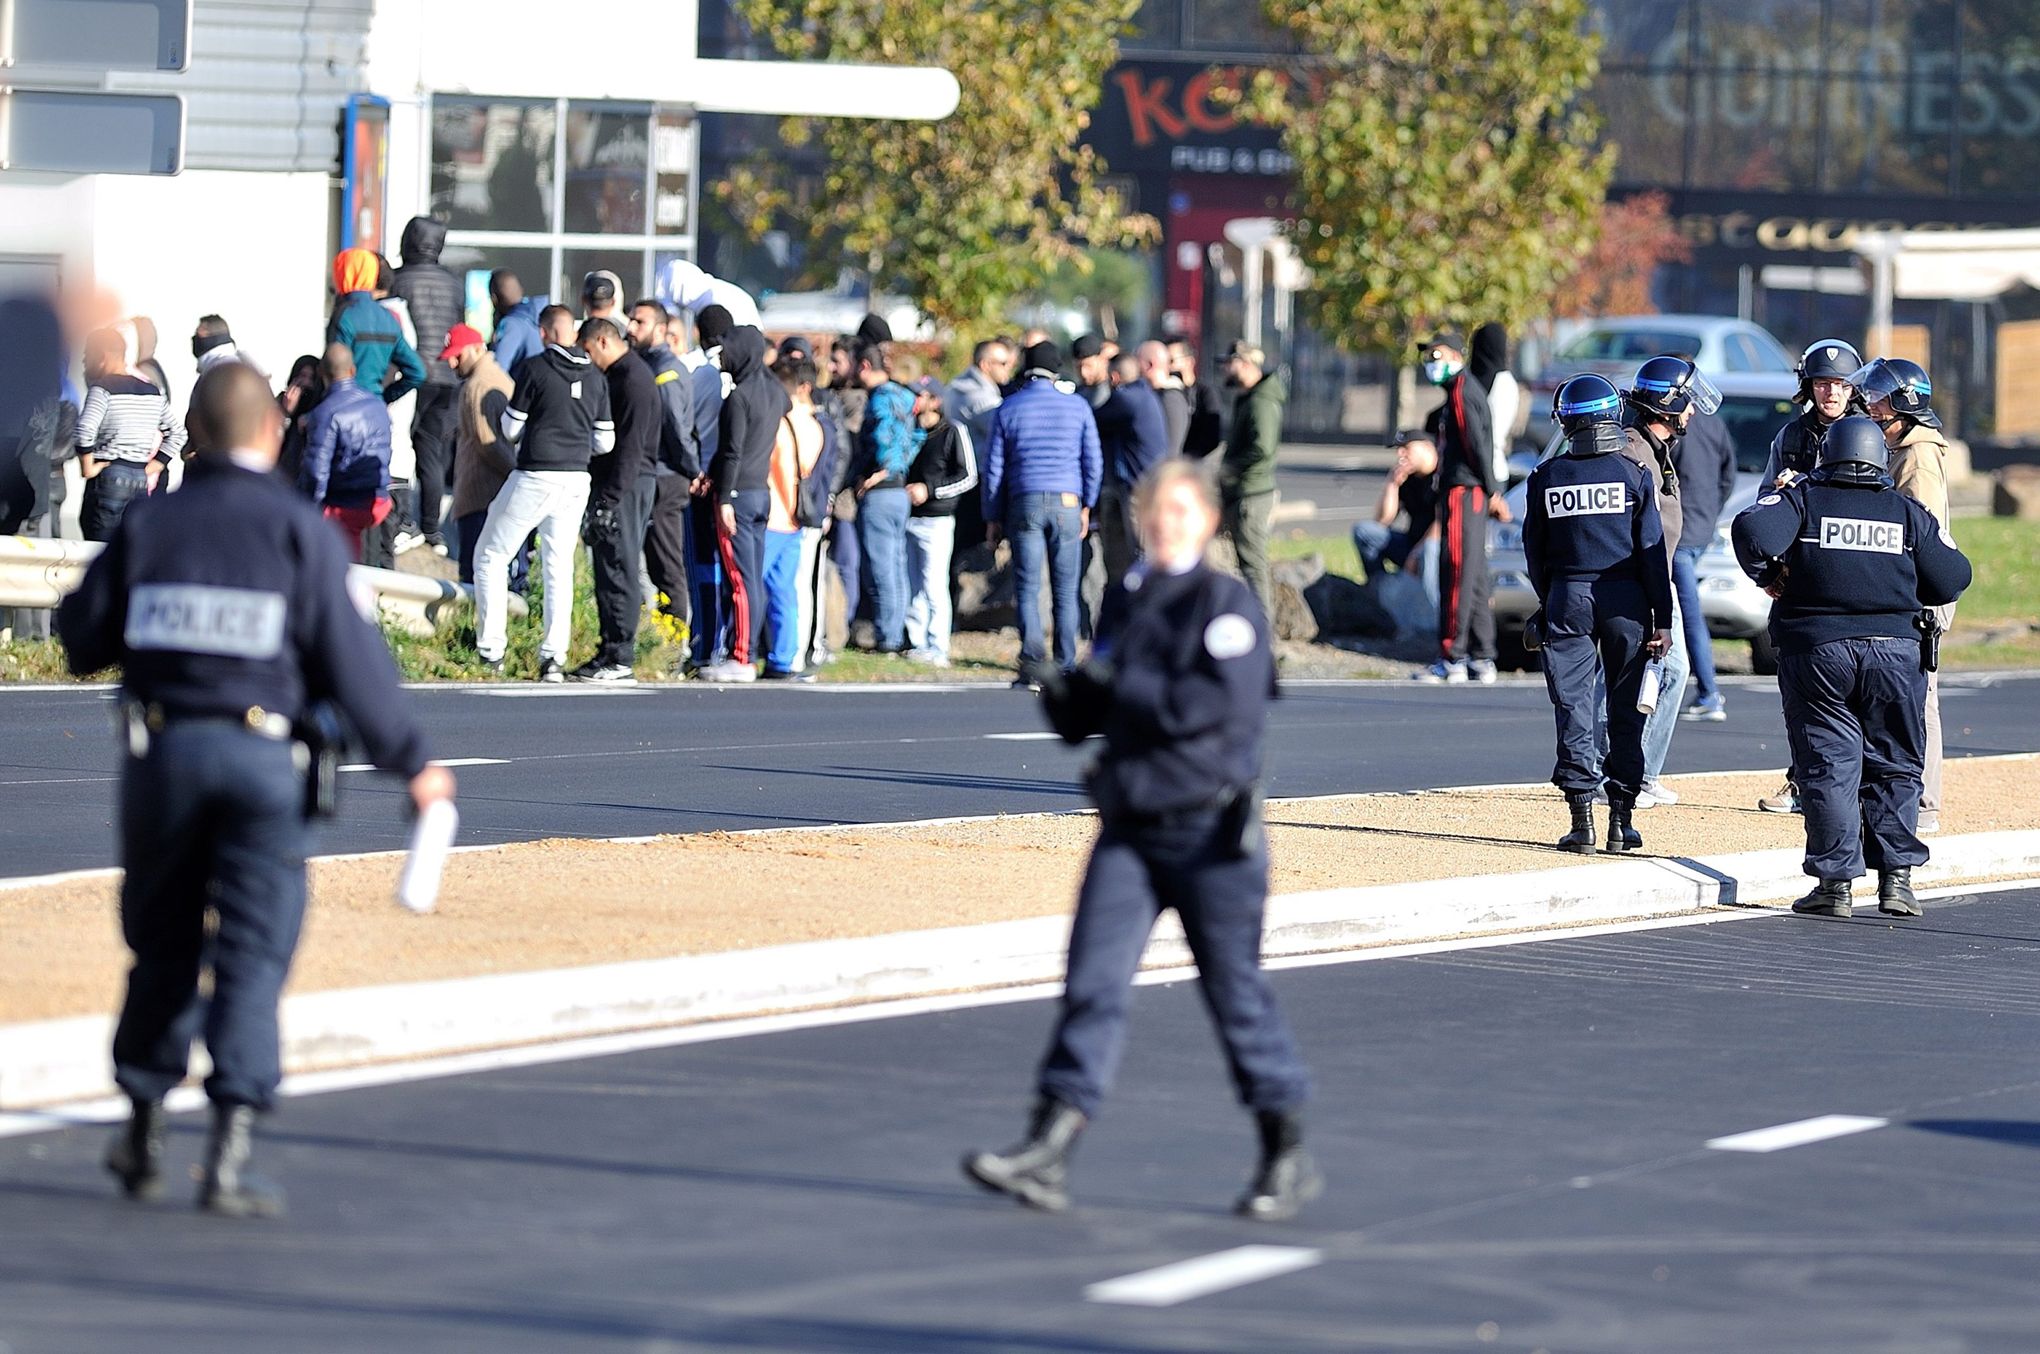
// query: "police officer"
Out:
[1852,561]
[226,606]
[1178,685]
[1827,389]
[1898,394]
[1595,548]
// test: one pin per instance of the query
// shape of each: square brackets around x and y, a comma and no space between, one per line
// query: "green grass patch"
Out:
[2005,553]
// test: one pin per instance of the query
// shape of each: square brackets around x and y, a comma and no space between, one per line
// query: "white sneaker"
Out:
[1483,671]
[406,541]
[1442,673]
[1658,793]
[729,670]
[933,658]
[1930,823]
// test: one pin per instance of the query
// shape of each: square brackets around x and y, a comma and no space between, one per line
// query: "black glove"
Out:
[1075,702]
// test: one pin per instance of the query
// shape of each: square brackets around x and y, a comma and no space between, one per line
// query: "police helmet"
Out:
[1668,386]
[1855,441]
[1828,359]
[1903,383]
[1584,401]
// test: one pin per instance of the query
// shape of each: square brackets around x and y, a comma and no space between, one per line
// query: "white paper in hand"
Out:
[431,839]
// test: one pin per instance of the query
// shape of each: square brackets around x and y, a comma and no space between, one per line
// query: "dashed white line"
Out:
[1034,736]
[1207,1274]
[1796,1134]
[445,761]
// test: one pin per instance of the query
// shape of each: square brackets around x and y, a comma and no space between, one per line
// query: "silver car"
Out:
[1754,407]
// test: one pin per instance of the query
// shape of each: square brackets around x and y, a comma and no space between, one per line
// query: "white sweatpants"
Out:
[930,542]
[552,501]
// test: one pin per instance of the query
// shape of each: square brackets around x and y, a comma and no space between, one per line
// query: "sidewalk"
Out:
[566,904]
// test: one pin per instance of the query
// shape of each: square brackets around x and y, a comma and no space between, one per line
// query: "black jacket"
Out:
[1207,421]
[433,293]
[679,442]
[1859,559]
[1466,437]
[229,594]
[559,416]
[947,464]
[634,407]
[1705,460]
[748,424]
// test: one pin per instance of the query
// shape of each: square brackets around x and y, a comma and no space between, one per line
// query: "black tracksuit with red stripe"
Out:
[1466,481]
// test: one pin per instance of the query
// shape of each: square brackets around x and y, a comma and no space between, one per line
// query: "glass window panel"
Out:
[472,264]
[492,164]
[1760,35]
[1157,27]
[575,264]
[607,151]
[1887,136]
[1644,113]
[1754,130]
[673,170]
[1233,25]
[1889,29]
[1643,32]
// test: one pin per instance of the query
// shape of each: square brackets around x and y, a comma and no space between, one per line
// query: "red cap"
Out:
[459,337]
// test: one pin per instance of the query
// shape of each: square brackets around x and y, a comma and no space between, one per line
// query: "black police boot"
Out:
[1581,838]
[1621,836]
[228,1189]
[1830,898]
[1034,1170]
[136,1157]
[1895,895]
[1287,1178]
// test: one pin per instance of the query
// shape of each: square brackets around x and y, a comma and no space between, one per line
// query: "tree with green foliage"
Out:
[963,214]
[1448,169]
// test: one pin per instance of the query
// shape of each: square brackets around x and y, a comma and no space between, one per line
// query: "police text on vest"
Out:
[1585,500]
[1854,533]
[197,618]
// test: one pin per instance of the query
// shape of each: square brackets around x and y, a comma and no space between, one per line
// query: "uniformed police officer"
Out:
[226,606]
[1595,548]
[1178,685]
[1899,398]
[1827,392]
[1852,561]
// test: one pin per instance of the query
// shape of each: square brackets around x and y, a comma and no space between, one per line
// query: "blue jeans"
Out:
[1699,648]
[107,496]
[1043,531]
[1663,722]
[782,600]
[882,522]
[1378,545]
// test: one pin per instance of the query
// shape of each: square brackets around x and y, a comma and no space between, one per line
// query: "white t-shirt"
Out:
[1505,401]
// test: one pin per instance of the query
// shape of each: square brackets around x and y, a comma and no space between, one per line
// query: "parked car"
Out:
[1754,407]
[1615,346]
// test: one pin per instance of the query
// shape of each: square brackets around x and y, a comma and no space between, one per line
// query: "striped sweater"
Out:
[127,419]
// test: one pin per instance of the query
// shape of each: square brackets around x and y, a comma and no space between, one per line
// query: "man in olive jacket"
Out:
[1246,474]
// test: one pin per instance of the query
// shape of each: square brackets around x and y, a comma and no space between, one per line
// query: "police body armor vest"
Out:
[1588,502]
[1799,444]
[1854,555]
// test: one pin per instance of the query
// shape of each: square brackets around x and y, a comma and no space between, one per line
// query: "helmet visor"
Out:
[1874,381]
[1706,398]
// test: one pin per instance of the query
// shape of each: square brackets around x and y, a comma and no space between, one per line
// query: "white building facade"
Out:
[548,137]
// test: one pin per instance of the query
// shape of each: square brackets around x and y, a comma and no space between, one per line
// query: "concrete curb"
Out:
[56,1061]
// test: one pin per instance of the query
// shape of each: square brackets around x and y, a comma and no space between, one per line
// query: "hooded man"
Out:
[747,427]
[1467,497]
[435,298]
[1488,363]
[366,325]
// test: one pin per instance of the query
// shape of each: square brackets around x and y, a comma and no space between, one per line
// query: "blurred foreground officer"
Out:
[226,606]
[1178,685]
[1852,562]
[1595,548]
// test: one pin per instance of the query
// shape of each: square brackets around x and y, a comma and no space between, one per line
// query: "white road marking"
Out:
[1033,736]
[1799,1134]
[1207,1274]
[439,761]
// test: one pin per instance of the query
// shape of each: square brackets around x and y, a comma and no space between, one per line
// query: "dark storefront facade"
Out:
[1780,130]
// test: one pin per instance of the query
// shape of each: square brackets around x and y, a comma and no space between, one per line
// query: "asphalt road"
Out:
[1516,1138]
[566,762]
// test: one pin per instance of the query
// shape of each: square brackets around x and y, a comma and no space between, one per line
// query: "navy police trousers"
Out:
[1137,870]
[212,819]
[1595,627]
[1855,710]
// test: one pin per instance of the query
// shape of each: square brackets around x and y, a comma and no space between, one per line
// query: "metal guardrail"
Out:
[37,573]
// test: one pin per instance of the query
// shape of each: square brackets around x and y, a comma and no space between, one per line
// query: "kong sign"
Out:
[1162,117]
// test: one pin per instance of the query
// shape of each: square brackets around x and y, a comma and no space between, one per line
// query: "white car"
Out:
[1615,346]
[1754,407]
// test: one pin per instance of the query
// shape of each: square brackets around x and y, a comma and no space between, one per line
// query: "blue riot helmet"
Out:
[1666,387]
[1584,401]
[1904,384]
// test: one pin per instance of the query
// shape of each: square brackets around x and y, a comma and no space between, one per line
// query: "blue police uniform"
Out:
[1178,687]
[1594,546]
[226,606]
[1854,561]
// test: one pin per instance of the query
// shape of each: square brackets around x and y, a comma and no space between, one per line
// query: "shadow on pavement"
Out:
[2011,1132]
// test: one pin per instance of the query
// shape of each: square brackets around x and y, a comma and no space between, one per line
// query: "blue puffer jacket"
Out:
[347,449]
[1043,442]
[517,334]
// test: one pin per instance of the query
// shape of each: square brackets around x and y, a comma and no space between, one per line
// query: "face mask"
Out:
[1439,371]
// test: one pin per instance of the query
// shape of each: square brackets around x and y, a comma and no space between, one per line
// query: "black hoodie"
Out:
[748,425]
[432,292]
